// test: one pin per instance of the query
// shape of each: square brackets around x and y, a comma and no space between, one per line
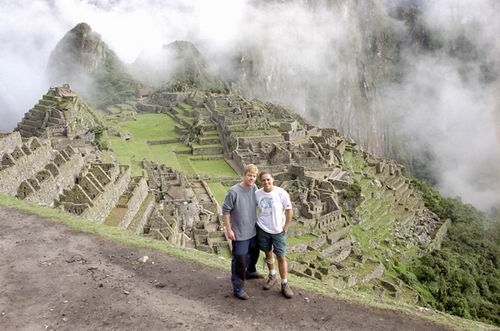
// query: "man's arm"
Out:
[227,227]
[288,219]
[227,206]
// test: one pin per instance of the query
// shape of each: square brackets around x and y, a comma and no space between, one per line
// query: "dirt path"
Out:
[52,277]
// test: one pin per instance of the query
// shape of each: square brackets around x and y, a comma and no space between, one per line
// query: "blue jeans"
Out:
[245,256]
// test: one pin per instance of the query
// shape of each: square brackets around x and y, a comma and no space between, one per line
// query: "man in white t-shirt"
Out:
[275,216]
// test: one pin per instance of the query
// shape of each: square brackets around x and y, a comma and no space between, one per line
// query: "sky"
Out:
[441,104]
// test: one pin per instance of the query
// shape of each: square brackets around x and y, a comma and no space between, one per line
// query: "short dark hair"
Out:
[262,173]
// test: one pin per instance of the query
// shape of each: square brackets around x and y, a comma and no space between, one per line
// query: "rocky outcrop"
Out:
[82,59]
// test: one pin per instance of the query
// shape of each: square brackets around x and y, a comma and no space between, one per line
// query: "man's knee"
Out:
[281,259]
[269,260]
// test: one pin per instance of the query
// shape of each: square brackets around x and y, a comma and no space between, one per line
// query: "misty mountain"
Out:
[82,59]
[179,65]
[387,74]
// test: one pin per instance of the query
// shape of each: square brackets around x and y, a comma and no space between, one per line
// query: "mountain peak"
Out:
[80,50]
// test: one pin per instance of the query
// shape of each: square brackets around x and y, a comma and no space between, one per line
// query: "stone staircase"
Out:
[128,204]
[57,175]
[43,115]
[210,237]
[96,191]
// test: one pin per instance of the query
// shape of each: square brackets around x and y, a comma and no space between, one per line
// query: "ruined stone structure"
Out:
[60,112]
[187,213]
[347,203]
[22,160]
[334,184]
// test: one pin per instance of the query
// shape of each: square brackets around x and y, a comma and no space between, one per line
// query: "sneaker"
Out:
[242,295]
[271,280]
[286,291]
[255,275]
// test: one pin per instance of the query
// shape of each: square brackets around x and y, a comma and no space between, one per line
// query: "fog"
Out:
[310,56]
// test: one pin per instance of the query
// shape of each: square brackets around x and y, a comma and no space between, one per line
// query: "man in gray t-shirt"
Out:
[239,210]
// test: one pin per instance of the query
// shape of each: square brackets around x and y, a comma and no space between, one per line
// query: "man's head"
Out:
[250,174]
[267,181]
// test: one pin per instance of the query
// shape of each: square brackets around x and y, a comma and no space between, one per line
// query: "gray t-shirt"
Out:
[240,203]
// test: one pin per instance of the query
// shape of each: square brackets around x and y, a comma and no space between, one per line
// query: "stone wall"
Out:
[24,162]
[106,201]
[54,184]
[138,195]
[439,236]
[206,150]
[9,141]
[142,216]
[214,206]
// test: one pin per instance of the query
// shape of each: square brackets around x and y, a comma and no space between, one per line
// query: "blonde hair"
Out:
[250,168]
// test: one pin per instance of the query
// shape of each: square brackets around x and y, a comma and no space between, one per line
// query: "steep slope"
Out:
[82,59]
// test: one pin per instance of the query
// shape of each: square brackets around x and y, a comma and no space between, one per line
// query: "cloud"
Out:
[452,119]
[339,63]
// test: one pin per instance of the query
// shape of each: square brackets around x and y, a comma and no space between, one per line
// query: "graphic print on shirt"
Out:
[266,206]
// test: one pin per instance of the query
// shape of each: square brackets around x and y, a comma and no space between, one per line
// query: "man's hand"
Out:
[227,226]
[229,234]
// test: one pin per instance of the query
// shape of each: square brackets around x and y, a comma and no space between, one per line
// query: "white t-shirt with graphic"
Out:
[272,206]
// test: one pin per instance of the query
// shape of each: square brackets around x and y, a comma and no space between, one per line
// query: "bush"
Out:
[464,276]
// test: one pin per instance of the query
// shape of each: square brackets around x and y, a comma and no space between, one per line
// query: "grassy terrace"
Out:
[219,191]
[160,127]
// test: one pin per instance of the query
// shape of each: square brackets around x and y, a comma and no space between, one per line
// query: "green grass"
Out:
[159,127]
[301,239]
[219,191]
[147,127]
[214,168]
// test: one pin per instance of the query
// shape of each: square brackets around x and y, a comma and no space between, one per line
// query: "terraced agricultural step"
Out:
[27,127]
[41,108]
[55,121]
[46,102]
[30,122]
[35,114]
[51,98]
[214,133]
[209,140]
[207,149]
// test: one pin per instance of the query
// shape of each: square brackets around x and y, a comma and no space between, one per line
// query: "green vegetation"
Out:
[115,85]
[99,134]
[217,168]
[301,239]
[463,278]
[147,127]
[219,191]
[151,127]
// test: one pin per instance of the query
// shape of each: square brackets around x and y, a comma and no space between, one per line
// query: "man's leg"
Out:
[283,267]
[279,243]
[238,267]
[266,245]
[253,257]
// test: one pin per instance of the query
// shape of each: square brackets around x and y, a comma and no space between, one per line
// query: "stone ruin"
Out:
[187,213]
[334,185]
[321,170]
[51,159]
[60,112]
